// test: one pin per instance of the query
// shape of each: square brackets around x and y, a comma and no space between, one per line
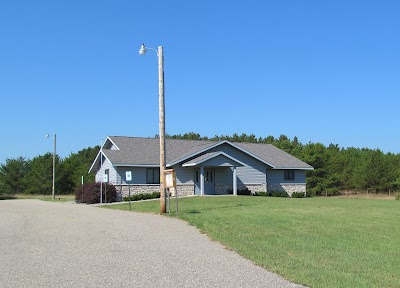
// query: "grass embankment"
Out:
[58,198]
[319,242]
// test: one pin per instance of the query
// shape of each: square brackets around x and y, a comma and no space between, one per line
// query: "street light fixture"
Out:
[160,54]
[54,164]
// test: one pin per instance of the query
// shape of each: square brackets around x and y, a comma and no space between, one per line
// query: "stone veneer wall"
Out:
[123,189]
[223,188]
[289,188]
[253,187]
[183,190]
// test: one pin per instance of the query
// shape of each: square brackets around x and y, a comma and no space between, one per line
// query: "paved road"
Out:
[45,244]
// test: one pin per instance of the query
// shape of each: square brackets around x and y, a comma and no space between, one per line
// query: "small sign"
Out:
[105,178]
[128,175]
[169,179]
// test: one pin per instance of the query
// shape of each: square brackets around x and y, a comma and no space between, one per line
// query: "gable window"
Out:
[153,176]
[289,175]
[107,176]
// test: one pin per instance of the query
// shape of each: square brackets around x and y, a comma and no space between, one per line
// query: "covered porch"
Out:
[214,173]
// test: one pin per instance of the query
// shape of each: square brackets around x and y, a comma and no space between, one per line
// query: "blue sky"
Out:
[324,71]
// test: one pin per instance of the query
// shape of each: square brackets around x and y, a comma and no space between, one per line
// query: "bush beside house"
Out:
[91,193]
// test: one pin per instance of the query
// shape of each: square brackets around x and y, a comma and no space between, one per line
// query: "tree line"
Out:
[35,176]
[335,169]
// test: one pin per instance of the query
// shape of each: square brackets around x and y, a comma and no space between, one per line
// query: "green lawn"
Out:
[318,242]
[58,198]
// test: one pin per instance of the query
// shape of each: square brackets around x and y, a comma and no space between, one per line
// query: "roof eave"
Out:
[193,154]
[293,168]
[216,145]
[213,156]
[112,142]
[95,160]
[135,165]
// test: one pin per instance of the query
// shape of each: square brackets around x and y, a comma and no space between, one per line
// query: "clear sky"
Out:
[324,71]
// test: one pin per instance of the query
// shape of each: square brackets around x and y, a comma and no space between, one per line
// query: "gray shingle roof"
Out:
[271,154]
[202,158]
[145,151]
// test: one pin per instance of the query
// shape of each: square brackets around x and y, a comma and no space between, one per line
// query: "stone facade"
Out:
[287,187]
[223,188]
[183,190]
[253,187]
[123,189]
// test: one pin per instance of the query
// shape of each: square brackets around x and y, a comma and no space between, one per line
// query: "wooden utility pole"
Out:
[161,100]
[162,126]
[53,188]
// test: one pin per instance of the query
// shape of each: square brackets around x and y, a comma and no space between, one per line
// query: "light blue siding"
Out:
[138,175]
[184,175]
[218,161]
[252,173]
[224,175]
[112,176]
[278,176]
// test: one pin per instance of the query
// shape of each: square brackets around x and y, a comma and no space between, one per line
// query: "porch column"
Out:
[202,180]
[234,182]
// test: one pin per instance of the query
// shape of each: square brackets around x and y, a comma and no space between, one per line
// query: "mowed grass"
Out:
[318,242]
[58,198]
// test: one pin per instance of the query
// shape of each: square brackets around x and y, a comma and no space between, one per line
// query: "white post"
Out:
[234,182]
[202,180]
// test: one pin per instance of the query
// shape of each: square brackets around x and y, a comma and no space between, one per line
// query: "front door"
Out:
[209,178]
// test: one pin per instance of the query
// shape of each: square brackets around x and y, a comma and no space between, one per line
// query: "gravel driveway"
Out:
[46,244]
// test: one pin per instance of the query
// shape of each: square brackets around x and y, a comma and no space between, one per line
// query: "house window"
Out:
[289,175]
[107,176]
[197,176]
[153,176]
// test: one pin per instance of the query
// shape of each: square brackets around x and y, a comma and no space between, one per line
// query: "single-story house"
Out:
[201,167]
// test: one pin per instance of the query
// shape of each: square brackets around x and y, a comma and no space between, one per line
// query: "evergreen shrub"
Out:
[298,195]
[261,194]
[143,196]
[245,191]
[279,194]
